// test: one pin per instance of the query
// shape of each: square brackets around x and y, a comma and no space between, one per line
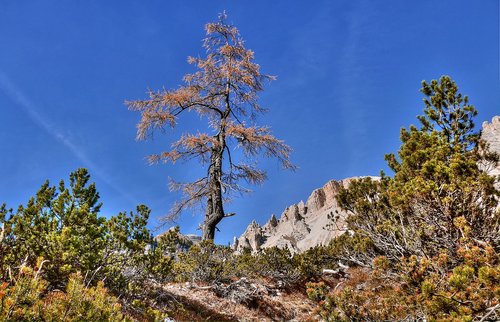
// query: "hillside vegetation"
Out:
[421,244]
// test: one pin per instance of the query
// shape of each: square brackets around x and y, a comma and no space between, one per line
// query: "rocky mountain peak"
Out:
[300,226]
[271,224]
[303,225]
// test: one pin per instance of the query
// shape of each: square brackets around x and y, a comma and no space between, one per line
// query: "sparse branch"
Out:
[188,147]
[254,140]
[192,193]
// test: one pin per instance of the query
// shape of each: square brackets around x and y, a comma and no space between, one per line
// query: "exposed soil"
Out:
[199,303]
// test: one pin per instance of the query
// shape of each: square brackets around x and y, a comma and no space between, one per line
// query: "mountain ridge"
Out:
[300,226]
[303,225]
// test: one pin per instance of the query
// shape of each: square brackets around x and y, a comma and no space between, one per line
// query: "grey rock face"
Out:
[491,134]
[300,226]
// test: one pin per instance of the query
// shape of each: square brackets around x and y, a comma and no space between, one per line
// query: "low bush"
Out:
[26,298]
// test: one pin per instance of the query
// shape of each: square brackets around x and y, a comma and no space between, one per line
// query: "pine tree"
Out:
[62,225]
[428,235]
[438,183]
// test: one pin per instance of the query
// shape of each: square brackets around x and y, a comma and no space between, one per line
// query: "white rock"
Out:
[302,226]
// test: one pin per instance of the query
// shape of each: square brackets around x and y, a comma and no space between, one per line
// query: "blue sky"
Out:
[348,79]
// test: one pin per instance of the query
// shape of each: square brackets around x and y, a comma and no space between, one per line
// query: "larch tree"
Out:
[223,91]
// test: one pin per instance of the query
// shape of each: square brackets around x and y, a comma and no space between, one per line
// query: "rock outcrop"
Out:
[491,133]
[301,226]
[304,225]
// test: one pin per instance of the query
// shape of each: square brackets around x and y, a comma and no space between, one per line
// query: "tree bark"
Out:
[215,208]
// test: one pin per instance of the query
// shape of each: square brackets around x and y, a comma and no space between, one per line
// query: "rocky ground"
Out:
[241,301]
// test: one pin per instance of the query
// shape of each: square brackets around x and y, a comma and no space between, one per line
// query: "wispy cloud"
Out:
[40,119]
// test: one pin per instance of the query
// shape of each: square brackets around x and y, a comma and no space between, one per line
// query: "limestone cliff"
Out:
[491,133]
[302,226]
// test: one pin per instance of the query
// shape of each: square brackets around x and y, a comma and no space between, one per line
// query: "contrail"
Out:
[17,96]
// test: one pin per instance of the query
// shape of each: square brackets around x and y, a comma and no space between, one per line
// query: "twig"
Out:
[40,268]
[492,310]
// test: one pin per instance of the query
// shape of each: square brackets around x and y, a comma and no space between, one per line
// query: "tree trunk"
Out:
[215,208]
